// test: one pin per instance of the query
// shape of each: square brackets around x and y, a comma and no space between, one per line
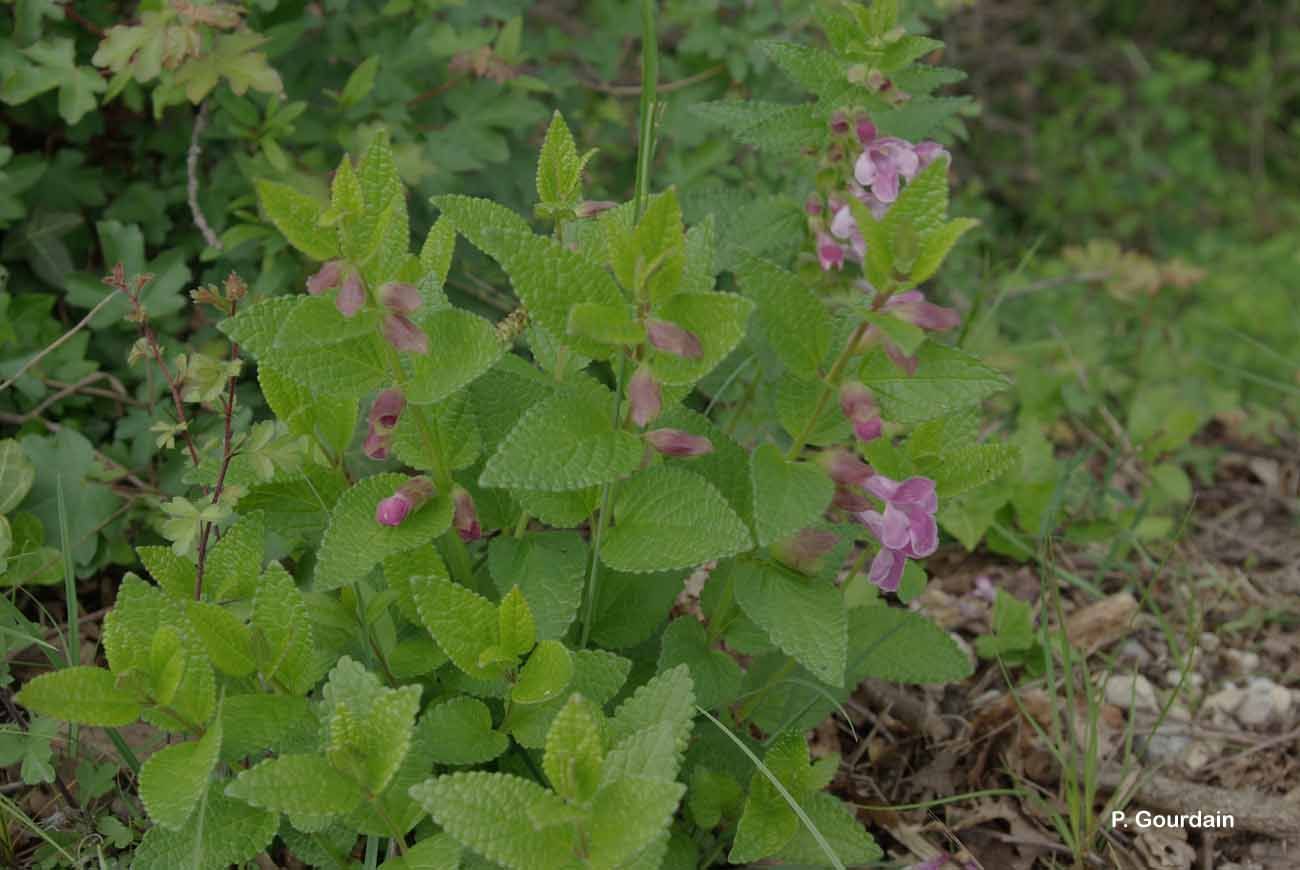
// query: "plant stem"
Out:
[644,157]
[227,453]
[829,384]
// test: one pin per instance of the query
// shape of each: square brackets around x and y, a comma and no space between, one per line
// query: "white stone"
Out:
[1226,700]
[1124,690]
[1242,662]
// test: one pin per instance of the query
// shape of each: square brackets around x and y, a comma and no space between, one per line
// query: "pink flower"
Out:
[928,151]
[845,468]
[409,497]
[400,298]
[883,163]
[839,123]
[403,334]
[829,253]
[860,407]
[465,518]
[913,307]
[906,529]
[671,338]
[384,414]
[644,397]
[376,444]
[845,227]
[327,278]
[352,295]
[866,131]
[675,442]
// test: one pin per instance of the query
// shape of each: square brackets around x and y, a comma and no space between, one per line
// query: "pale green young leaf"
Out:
[517,630]
[559,169]
[804,616]
[607,324]
[628,817]
[667,517]
[380,184]
[651,752]
[715,675]
[296,216]
[223,831]
[235,562]
[461,732]
[788,496]
[257,723]
[478,220]
[370,726]
[936,245]
[668,697]
[402,568]
[893,644]
[326,419]
[489,813]
[347,200]
[175,574]
[717,319]
[89,696]
[174,779]
[575,750]
[130,626]
[255,327]
[923,204]
[548,671]
[549,569]
[296,784]
[16,475]
[354,542]
[597,676]
[226,638]
[438,249]
[462,346]
[566,442]
[793,319]
[650,259]
[282,632]
[946,380]
[463,622]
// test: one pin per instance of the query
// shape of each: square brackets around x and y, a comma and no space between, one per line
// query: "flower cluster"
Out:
[398,299]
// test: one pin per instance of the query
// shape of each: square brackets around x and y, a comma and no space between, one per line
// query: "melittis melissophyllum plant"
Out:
[441,612]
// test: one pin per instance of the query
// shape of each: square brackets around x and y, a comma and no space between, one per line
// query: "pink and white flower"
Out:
[906,529]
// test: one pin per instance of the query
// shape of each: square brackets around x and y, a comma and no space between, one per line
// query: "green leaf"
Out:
[52,63]
[439,435]
[946,380]
[235,562]
[768,822]
[304,785]
[517,631]
[1013,627]
[349,368]
[793,319]
[575,750]
[360,83]
[559,169]
[282,632]
[628,816]
[597,676]
[956,471]
[439,852]
[254,724]
[86,695]
[16,475]
[893,644]
[461,731]
[717,319]
[325,419]
[607,324]
[478,220]
[462,346]
[438,249]
[649,260]
[838,823]
[228,641]
[354,542]
[463,623]
[716,676]
[936,245]
[296,215]
[370,726]
[256,326]
[68,462]
[668,697]
[221,832]
[547,672]
[550,279]
[803,616]
[297,509]
[174,779]
[489,813]
[631,607]
[566,442]
[796,400]
[712,795]
[346,198]
[667,517]
[549,569]
[788,496]
[173,573]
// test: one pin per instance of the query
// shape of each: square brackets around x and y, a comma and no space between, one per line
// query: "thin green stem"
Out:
[829,384]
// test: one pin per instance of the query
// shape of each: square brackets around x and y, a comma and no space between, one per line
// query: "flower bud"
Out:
[592,207]
[829,252]
[409,497]
[844,467]
[644,397]
[929,151]
[352,295]
[465,518]
[913,308]
[859,406]
[866,130]
[675,442]
[387,409]
[325,279]
[803,551]
[400,298]
[671,338]
[839,123]
[403,334]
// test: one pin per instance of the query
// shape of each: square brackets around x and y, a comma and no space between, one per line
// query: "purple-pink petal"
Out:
[326,278]
[400,298]
[671,338]
[887,569]
[881,487]
[916,491]
[352,295]
[897,529]
[393,510]
[403,334]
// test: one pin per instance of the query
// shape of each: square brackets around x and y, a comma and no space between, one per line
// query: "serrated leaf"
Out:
[652,752]
[296,215]
[768,822]
[228,641]
[946,380]
[439,852]
[794,320]
[438,249]
[173,573]
[461,732]
[549,569]
[597,676]
[82,694]
[839,826]
[667,517]
[919,117]
[349,368]
[174,779]
[814,69]
[489,812]
[477,220]
[462,346]
[717,319]
[547,672]
[628,816]
[370,725]
[296,784]
[788,496]
[429,437]
[235,562]
[355,543]
[667,697]
[956,471]
[903,647]
[559,169]
[256,326]
[936,245]
[517,630]
[566,442]
[715,675]
[631,607]
[326,419]
[282,632]
[649,260]
[463,622]
[575,750]
[796,402]
[297,509]
[803,616]
[607,324]
[222,832]
[253,724]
